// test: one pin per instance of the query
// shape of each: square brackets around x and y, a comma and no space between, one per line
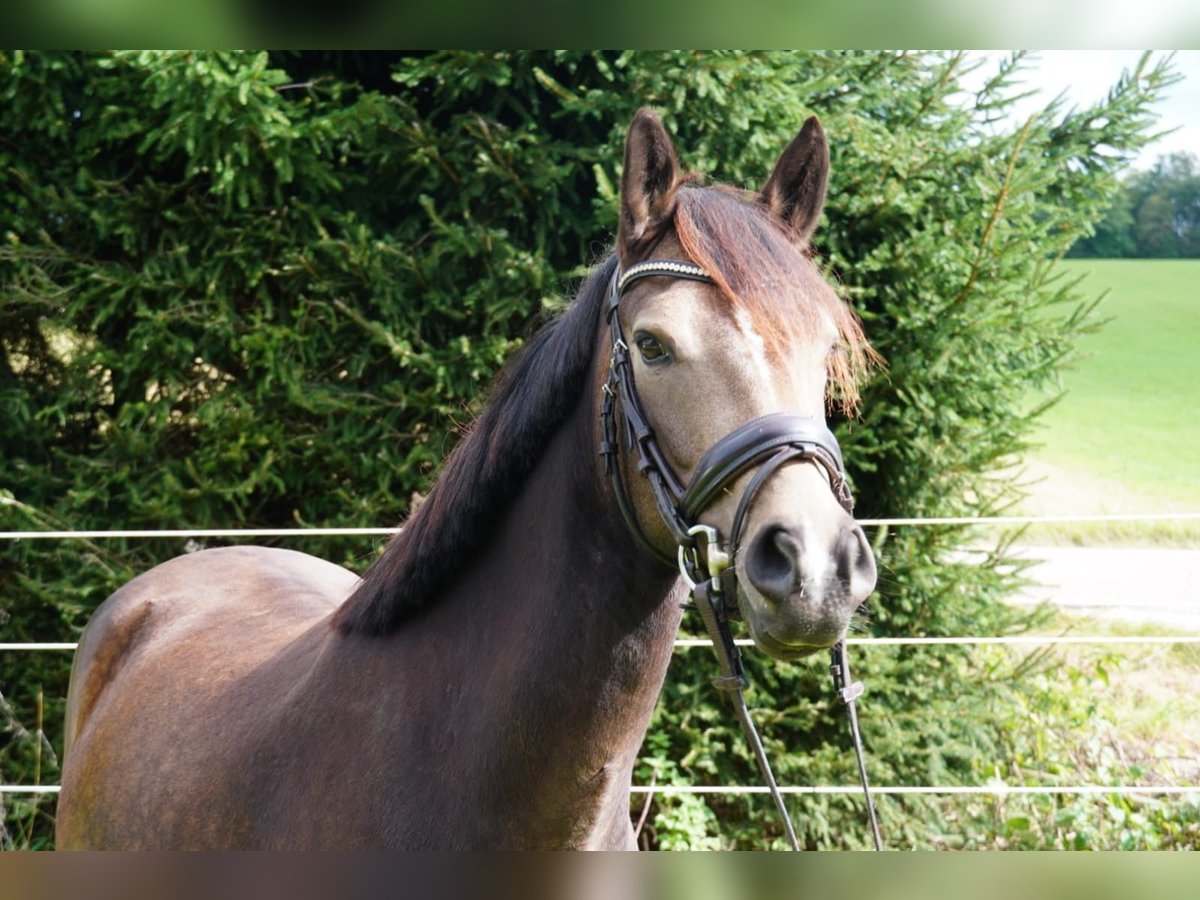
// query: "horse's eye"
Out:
[652,351]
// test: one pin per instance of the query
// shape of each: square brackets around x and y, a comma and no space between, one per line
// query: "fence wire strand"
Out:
[987,521]
[1023,640]
[988,790]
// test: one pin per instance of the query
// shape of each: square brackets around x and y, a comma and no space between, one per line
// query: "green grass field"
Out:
[1126,437]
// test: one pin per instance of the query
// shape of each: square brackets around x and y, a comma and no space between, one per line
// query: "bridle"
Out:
[769,443]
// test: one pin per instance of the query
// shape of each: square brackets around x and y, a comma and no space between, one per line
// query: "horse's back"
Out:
[155,679]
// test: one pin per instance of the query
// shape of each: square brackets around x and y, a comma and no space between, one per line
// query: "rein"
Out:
[769,443]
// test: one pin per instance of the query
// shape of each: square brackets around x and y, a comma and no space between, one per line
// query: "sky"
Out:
[1087,75]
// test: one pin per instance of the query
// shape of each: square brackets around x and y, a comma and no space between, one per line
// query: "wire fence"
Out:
[983,521]
[1023,640]
[994,789]
[990,790]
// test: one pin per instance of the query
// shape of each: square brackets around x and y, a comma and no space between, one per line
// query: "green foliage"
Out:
[1156,215]
[249,289]
[1059,733]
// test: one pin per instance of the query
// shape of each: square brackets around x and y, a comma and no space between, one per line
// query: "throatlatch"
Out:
[768,443]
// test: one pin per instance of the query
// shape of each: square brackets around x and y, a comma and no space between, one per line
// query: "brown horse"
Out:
[489,682]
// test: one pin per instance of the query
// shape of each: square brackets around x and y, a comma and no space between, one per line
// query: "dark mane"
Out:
[529,401]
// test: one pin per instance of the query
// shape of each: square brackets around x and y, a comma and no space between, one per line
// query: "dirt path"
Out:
[1135,585]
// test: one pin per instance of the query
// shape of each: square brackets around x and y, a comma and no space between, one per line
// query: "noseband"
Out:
[704,560]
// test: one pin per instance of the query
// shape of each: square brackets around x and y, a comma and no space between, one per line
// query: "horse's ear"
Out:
[796,189]
[648,183]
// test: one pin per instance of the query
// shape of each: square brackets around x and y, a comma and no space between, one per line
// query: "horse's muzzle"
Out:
[803,587]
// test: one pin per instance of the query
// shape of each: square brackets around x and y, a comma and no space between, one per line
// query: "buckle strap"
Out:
[711,606]
[850,691]
[732,681]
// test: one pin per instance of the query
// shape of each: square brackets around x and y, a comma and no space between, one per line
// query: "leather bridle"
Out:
[704,560]
[782,436]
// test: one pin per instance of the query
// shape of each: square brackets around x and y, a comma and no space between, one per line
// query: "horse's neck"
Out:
[556,637]
[590,618]
[571,573]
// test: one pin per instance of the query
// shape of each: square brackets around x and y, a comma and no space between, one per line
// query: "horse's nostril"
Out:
[847,555]
[856,562]
[773,561]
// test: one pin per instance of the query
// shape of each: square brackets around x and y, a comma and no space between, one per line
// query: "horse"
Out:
[487,683]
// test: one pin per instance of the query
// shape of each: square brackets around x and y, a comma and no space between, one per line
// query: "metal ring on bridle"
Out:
[715,560]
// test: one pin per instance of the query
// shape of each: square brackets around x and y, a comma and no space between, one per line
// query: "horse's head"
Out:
[734,347]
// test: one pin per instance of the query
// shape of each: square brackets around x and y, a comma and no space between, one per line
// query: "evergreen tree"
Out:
[1155,228]
[1155,215]
[1113,237]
